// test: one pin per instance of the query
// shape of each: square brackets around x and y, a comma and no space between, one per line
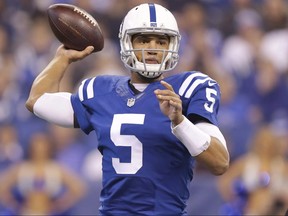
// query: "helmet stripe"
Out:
[152,11]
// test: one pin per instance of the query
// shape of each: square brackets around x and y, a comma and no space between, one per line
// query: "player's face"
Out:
[150,42]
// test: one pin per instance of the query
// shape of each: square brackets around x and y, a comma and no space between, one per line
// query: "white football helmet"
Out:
[149,18]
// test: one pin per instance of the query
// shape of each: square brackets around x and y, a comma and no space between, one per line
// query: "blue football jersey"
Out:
[146,169]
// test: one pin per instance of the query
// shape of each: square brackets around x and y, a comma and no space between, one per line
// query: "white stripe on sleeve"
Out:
[187,82]
[90,91]
[80,90]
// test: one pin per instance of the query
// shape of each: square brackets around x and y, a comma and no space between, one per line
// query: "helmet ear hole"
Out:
[149,19]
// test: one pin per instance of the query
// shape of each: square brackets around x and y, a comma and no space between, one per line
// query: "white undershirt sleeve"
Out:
[197,137]
[55,108]
[213,131]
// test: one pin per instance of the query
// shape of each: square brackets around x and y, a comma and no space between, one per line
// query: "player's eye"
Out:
[140,40]
[143,40]
[163,42]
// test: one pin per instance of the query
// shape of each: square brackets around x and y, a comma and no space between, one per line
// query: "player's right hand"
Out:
[73,55]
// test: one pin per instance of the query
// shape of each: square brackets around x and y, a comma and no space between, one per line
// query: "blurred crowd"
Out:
[243,44]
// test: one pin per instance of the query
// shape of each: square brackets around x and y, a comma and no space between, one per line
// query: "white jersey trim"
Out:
[188,80]
[90,91]
[80,90]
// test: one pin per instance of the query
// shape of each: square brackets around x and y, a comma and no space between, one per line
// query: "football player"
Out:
[150,128]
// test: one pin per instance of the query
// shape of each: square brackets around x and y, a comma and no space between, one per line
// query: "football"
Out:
[74,27]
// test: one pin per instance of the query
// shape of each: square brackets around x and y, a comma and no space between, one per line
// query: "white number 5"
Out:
[210,98]
[127,140]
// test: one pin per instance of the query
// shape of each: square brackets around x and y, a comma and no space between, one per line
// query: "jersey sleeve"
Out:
[78,103]
[90,100]
[201,96]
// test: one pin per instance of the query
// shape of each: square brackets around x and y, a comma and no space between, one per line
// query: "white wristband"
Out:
[194,139]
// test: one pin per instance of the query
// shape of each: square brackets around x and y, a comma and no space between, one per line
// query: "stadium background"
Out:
[243,44]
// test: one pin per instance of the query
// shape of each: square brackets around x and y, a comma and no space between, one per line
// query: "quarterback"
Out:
[150,128]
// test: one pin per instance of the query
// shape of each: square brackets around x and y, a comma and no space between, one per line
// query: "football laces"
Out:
[85,15]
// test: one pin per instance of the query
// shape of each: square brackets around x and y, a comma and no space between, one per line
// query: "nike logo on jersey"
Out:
[211,82]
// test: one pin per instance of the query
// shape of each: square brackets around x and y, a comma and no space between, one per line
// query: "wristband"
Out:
[194,139]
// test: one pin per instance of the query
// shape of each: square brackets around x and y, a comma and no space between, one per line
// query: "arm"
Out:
[216,156]
[207,149]
[48,81]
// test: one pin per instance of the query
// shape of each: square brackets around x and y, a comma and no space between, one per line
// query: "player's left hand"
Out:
[170,103]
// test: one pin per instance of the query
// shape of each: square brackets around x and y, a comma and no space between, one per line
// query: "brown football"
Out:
[74,27]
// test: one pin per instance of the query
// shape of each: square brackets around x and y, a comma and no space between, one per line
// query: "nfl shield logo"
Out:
[130,102]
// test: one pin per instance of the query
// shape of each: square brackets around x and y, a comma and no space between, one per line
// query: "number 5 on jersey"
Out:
[129,141]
